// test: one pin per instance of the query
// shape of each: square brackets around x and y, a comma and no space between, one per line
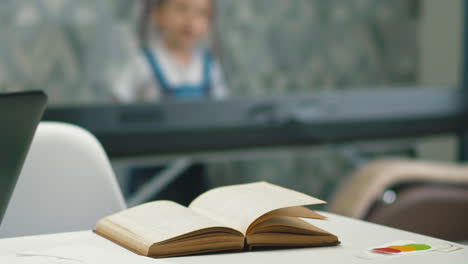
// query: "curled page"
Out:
[238,206]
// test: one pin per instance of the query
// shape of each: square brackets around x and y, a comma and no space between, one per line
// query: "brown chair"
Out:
[422,197]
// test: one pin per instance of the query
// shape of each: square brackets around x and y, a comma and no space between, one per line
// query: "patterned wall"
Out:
[65,47]
[72,49]
[276,46]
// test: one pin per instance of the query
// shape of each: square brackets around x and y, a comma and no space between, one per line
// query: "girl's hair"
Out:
[145,27]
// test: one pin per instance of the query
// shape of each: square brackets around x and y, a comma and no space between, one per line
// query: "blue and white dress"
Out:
[154,75]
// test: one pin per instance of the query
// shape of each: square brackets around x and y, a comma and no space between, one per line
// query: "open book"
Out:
[228,218]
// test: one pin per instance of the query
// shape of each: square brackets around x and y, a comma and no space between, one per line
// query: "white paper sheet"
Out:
[78,254]
[30,260]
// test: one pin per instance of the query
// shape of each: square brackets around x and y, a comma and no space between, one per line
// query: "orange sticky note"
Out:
[404,248]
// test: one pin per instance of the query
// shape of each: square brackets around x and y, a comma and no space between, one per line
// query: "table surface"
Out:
[356,236]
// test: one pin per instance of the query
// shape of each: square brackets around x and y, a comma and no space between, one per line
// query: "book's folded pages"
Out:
[228,218]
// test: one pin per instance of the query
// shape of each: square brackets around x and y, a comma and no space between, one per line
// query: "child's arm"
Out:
[135,83]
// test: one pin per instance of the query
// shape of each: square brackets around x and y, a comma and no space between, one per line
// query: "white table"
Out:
[356,236]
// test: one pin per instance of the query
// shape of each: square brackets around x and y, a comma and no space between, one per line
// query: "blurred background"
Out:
[74,50]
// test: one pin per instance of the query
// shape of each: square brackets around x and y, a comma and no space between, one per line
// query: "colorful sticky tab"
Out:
[397,249]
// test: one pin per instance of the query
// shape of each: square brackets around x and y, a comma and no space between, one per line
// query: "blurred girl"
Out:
[173,63]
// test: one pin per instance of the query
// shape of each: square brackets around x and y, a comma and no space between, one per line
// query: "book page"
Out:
[291,225]
[297,211]
[151,223]
[238,206]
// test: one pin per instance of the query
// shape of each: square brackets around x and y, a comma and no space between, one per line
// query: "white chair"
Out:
[67,184]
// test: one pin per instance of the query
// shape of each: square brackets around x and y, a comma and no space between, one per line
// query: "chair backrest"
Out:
[67,184]
[431,209]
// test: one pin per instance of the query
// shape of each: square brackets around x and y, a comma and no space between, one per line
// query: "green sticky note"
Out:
[419,246]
